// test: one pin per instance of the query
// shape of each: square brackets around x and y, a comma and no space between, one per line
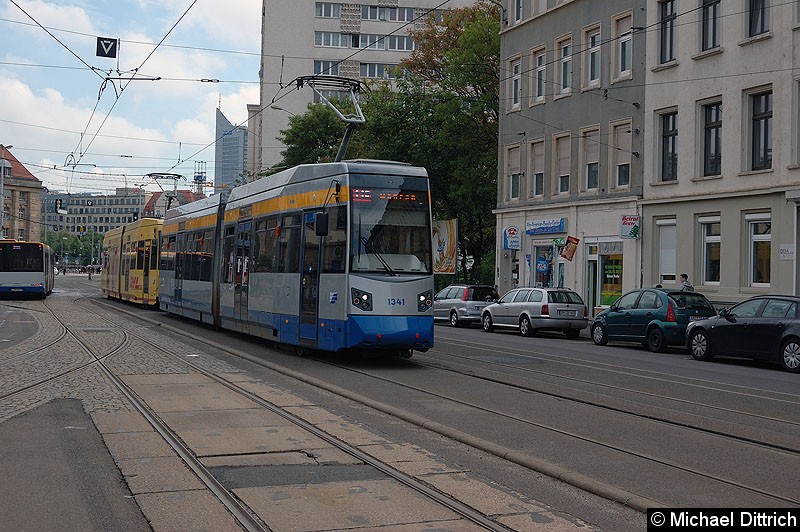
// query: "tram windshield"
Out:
[391,231]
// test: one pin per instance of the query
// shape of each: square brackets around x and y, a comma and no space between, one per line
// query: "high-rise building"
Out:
[303,37]
[230,153]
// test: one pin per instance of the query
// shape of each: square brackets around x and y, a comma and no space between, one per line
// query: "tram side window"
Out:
[167,253]
[193,257]
[140,255]
[206,250]
[229,254]
[288,249]
[335,244]
[264,245]
[154,254]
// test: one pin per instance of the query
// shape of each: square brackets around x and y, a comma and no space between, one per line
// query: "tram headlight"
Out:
[424,301]
[361,299]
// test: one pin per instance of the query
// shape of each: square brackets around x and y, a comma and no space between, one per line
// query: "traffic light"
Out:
[135,216]
[58,204]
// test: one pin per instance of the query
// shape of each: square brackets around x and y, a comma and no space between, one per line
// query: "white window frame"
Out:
[330,39]
[557,163]
[620,155]
[710,25]
[515,83]
[766,22]
[667,257]
[588,158]
[564,66]
[705,241]
[667,34]
[518,5]
[537,167]
[513,161]
[751,220]
[328,10]
[751,96]
[624,43]
[539,70]
[592,45]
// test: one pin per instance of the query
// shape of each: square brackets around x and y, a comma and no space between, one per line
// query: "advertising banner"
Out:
[570,246]
[630,226]
[511,238]
[445,233]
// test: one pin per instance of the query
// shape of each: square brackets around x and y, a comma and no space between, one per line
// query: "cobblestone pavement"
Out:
[294,481]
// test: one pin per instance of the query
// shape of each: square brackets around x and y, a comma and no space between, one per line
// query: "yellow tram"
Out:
[130,262]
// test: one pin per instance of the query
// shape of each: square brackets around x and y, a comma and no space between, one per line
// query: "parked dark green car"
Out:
[654,317]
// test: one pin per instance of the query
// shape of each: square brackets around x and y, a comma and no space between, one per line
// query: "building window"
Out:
[667,246]
[518,10]
[624,39]
[515,88]
[667,29]
[669,146]
[592,46]
[760,236]
[330,68]
[377,70]
[711,13]
[329,10]
[712,240]
[621,154]
[761,154]
[712,139]
[541,68]
[512,170]
[758,13]
[330,39]
[562,163]
[373,42]
[564,63]
[537,168]
[591,159]
[400,43]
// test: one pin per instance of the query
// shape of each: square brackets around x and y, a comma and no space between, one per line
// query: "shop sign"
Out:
[630,225]
[786,251]
[512,238]
[546,227]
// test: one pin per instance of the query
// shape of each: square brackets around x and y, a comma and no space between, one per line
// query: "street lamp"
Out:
[2,179]
[276,108]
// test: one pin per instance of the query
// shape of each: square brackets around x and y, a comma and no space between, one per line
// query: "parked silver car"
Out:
[461,304]
[538,309]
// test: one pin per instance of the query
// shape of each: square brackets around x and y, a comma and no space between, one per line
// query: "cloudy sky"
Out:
[79,123]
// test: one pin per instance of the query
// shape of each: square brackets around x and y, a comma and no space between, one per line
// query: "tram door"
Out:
[242,270]
[309,280]
[145,245]
[180,254]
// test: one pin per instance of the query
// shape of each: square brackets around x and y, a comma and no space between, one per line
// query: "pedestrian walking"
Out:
[686,286]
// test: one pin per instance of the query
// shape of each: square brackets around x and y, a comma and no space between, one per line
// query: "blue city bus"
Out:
[26,269]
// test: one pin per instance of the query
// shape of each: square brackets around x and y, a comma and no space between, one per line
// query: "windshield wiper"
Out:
[377,254]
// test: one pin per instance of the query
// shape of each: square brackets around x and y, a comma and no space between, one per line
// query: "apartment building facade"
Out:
[571,139]
[722,163]
[360,40]
[20,214]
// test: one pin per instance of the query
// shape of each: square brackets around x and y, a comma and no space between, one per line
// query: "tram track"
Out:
[186,454]
[636,501]
[469,371]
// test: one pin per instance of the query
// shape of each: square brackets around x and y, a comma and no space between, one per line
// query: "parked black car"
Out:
[761,328]
[655,317]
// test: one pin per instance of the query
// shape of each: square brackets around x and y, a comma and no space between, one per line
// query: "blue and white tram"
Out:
[330,256]
[26,269]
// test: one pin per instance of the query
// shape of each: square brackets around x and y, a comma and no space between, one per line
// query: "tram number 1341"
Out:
[396,301]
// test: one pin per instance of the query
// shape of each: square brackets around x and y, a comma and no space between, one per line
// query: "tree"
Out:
[442,115]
